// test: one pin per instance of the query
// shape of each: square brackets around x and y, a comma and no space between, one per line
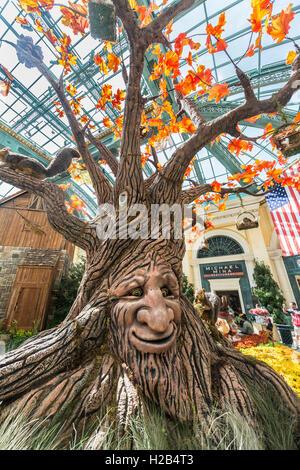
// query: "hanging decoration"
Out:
[246,219]
[28,52]
[288,140]
[102,20]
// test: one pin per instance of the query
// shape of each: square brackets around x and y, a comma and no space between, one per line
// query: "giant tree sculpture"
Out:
[131,336]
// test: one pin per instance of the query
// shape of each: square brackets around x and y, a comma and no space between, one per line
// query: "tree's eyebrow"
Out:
[131,281]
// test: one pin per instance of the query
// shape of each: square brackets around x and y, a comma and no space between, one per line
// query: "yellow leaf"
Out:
[291,57]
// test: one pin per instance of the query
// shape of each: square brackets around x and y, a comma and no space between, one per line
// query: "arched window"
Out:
[221,246]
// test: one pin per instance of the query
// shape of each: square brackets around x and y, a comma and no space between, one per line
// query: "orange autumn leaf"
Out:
[260,10]
[77,22]
[238,146]
[145,13]
[76,204]
[47,32]
[253,119]
[156,49]
[216,33]
[268,129]
[5,87]
[169,28]
[107,122]
[101,62]
[118,97]
[297,118]
[217,92]
[22,21]
[291,57]
[181,41]
[113,62]
[189,59]
[64,187]
[186,125]
[217,30]
[216,186]
[171,62]
[132,4]
[250,52]
[47,4]
[33,6]
[222,207]
[280,24]
[7,73]
[71,89]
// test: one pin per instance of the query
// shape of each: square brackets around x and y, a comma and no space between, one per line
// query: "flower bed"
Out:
[284,360]
[248,341]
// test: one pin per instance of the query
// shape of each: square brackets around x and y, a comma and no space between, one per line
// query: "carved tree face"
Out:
[146,311]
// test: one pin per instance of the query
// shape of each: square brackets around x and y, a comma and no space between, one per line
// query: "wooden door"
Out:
[29,297]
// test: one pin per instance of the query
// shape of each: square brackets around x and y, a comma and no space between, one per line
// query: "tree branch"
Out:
[128,18]
[246,84]
[101,185]
[71,227]
[168,14]
[176,167]
[190,195]
[186,104]
[105,153]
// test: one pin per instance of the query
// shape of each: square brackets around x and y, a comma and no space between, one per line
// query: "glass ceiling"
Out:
[29,110]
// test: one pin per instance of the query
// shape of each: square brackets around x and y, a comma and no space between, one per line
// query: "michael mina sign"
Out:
[225,270]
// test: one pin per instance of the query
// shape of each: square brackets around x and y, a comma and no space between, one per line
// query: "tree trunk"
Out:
[136,340]
[131,337]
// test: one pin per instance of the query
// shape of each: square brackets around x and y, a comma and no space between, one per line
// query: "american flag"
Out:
[284,205]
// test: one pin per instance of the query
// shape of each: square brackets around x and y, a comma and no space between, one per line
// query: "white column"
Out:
[276,257]
[186,266]
[250,264]
[197,276]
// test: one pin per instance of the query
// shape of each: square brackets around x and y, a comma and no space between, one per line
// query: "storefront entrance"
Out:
[228,278]
[233,299]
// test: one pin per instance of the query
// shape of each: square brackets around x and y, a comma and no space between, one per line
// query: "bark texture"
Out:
[131,337]
[126,349]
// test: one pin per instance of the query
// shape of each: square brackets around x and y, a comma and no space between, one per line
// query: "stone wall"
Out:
[12,257]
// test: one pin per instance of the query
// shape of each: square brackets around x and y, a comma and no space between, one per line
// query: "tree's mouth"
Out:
[153,343]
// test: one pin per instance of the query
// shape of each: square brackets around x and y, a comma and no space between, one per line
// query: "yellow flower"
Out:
[280,358]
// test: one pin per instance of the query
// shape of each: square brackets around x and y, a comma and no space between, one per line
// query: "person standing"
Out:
[287,315]
[295,312]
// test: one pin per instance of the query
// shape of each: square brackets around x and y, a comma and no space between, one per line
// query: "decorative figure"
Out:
[29,166]
[131,337]
[288,141]
[204,245]
[102,20]
[246,223]
[207,305]
[146,311]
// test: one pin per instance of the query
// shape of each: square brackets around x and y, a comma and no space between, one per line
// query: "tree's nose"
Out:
[156,314]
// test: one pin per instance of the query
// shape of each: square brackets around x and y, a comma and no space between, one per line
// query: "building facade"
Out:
[33,258]
[226,268]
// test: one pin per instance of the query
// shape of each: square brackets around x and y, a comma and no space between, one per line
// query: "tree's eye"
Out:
[137,292]
[165,292]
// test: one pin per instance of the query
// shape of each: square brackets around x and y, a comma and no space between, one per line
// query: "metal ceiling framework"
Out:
[29,123]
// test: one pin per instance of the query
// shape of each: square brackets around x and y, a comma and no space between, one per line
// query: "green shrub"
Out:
[268,292]
[188,288]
